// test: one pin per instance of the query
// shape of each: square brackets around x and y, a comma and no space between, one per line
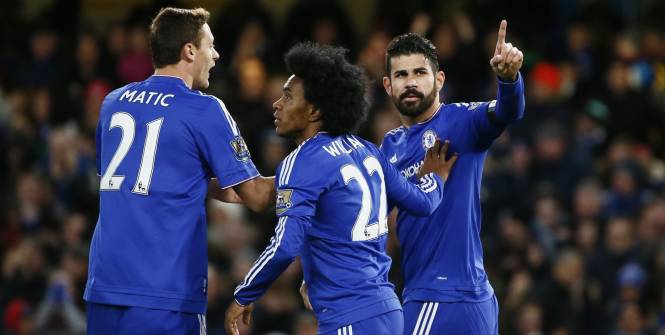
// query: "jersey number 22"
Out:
[363,230]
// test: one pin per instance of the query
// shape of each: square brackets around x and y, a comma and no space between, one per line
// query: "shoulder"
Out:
[307,161]
[393,136]
[371,147]
[466,108]
[394,132]
[207,103]
[117,93]
[210,109]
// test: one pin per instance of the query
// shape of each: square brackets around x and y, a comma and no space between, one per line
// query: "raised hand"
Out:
[435,160]
[507,59]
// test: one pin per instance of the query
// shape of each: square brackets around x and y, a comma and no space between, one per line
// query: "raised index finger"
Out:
[501,40]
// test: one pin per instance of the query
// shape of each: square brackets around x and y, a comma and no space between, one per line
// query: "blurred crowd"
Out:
[573,196]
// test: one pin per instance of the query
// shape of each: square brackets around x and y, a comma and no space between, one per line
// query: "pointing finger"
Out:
[501,40]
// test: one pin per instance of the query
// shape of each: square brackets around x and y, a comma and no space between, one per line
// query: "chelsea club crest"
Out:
[429,137]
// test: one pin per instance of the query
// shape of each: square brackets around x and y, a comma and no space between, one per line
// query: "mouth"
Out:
[411,96]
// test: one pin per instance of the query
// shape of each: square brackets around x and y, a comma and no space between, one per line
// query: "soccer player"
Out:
[159,142]
[333,195]
[446,290]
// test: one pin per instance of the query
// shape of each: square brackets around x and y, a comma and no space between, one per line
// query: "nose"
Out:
[215,55]
[411,82]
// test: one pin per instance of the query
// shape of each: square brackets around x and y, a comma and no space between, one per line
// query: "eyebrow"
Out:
[418,69]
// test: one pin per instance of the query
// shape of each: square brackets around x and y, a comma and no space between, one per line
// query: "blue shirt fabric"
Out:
[442,254]
[149,245]
[332,201]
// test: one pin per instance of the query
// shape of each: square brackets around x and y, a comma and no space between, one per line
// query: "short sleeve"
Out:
[222,146]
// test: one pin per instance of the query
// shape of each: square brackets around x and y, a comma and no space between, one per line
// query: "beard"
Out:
[413,109]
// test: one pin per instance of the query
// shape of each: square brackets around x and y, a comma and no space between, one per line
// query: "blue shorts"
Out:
[119,320]
[423,317]
[391,323]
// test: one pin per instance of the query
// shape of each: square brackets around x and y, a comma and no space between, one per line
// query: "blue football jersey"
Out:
[442,255]
[332,202]
[158,145]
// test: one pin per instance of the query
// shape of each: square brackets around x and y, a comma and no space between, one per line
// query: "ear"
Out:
[440,79]
[387,85]
[315,114]
[188,52]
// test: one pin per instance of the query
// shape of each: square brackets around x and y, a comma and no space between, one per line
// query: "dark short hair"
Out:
[332,84]
[409,44]
[171,29]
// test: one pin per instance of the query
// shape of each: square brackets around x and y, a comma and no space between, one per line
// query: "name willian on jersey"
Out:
[339,147]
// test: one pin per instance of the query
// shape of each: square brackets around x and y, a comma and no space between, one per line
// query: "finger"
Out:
[231,327]
[519,58]
[504,54]
[495,61]
[246,317]
[430,152]
[453,159]
[501,38]
[437,147]
[444,149]
[511,56]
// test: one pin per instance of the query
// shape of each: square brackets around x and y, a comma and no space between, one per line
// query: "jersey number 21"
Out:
[126,123]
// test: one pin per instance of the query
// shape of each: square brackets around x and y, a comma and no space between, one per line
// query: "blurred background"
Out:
[573,196]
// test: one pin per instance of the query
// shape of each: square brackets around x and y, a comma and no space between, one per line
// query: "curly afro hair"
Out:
[409,44]
[332,84]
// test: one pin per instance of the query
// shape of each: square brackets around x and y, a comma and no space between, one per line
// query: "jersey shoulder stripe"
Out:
[289,162]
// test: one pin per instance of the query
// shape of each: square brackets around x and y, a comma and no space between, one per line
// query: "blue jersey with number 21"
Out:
[158,145]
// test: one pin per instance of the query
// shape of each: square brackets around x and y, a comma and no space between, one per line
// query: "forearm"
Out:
[258,194]
[284,247]
[510,100]
[422,199]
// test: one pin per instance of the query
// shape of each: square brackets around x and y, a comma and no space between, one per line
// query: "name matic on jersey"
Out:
[131,96]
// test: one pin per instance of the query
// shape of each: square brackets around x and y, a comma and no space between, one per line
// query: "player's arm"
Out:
[510,102]
[225,152]
[422,199]
[284,246]
[257,194]
[297,194]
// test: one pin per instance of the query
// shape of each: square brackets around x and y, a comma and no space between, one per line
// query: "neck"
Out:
[408,121]
[307,133]
[176,71]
